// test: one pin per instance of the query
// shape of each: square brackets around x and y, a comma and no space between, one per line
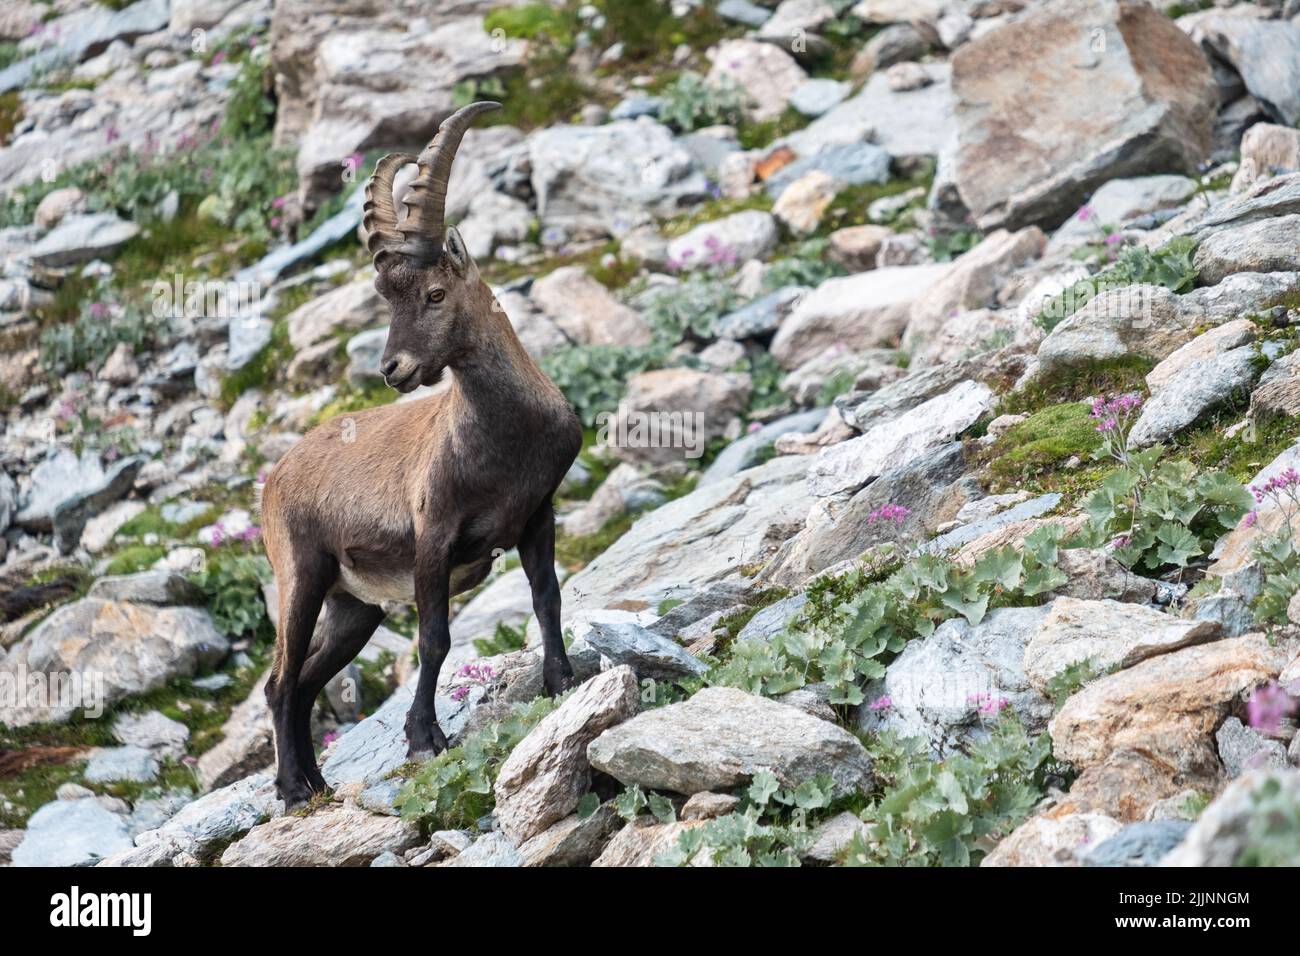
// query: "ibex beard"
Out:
[411,507]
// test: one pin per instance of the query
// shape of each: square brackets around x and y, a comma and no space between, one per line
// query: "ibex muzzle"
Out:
[410,501]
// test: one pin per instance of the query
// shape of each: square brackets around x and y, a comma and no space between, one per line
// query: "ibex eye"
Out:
[437,295]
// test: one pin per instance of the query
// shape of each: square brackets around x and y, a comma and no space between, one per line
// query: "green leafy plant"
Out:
[1276,553]
[807,265]
[594,377]
[99,327]
[454,789]
[771,828]
[852,640]
[691,102]
[503,640]
[231,581]
[689,308]
[937,814]
[1170,266]
[1161,515]
[1273,832]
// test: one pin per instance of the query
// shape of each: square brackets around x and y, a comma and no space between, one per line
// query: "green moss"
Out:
[1032,452]
[1244,454]
[1084,380]
[136,557]
[151,521]
[849,208]
[761,135]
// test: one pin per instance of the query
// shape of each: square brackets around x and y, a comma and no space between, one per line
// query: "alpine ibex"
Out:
[409,501]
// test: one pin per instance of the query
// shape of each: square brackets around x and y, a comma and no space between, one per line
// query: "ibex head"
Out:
[425,272]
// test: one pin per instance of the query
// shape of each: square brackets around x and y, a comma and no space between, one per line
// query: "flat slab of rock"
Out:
[121,763]
[81,238]
[849,465]
[333,836]
[721,737]
[546,775]
[1107,633]
[647,653]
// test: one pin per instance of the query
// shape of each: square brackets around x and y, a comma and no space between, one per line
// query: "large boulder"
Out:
[1265,246]
[734,239]
[861,311]
[1151,322]
[950,688]
[72,833]
[686,544]
[972,282]
[607,180]
[1106,634]
[94,652]
[763,74]
[1164,709]
[1265,52]
[585,311]
[356,78]
[546,775]
[719,738]
[673,413]
[351,308]
[1052,104]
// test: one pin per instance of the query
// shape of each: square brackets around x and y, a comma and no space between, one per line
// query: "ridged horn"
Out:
[380,211]
[427,199]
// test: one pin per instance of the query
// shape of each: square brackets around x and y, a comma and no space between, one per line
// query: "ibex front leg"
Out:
[537,554]
[432,592]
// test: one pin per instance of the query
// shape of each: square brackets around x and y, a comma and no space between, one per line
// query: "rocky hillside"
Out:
[970,535]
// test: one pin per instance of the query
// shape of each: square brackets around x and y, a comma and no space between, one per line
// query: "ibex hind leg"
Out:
[348,624]
[303,586]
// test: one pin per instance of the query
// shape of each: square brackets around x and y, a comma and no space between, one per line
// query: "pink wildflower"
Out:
[1267,707]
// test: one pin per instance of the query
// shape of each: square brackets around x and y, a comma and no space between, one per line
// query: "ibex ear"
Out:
[454,248]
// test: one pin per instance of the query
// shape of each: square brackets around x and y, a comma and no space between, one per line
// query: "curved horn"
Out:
[427,199]
[380,210]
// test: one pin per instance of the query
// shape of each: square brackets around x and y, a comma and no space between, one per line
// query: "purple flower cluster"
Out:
[895,513]
[880,703]
[987,704]
[1268,706]
[1112,413]
[469,675]
[1283,484]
